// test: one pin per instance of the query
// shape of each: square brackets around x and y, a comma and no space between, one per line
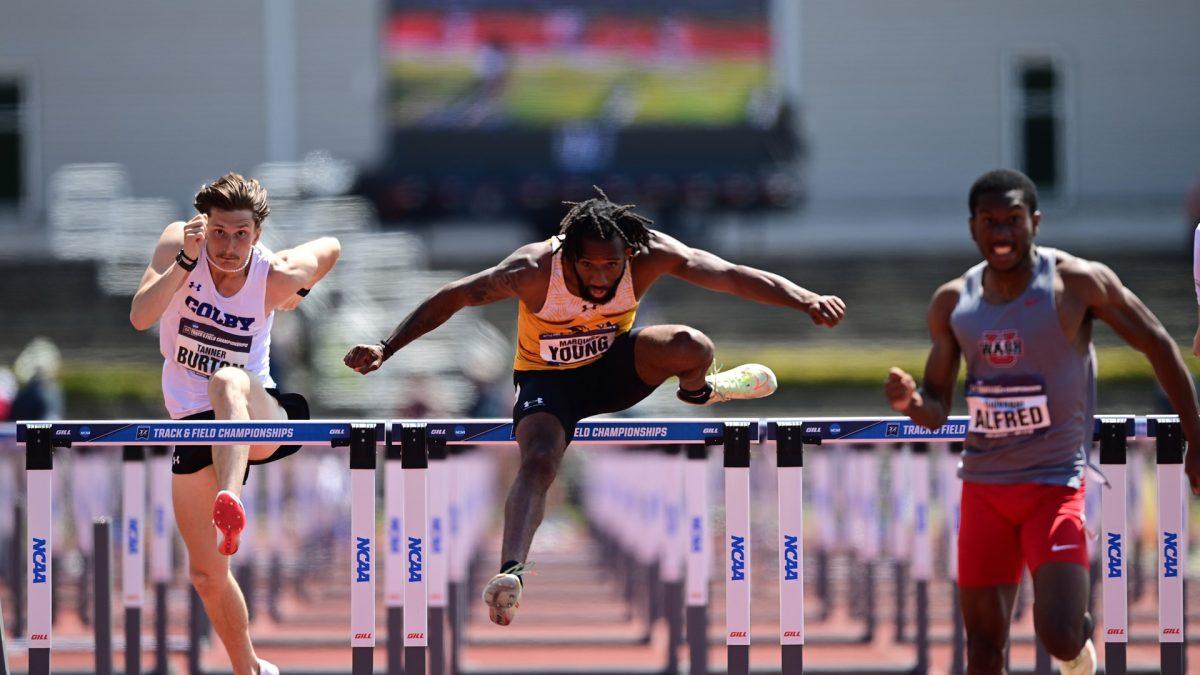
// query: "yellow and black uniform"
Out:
[575,357]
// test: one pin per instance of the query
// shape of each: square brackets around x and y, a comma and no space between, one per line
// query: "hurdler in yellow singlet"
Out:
[569,331]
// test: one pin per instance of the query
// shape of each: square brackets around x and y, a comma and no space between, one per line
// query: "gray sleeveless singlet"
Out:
[1031,394]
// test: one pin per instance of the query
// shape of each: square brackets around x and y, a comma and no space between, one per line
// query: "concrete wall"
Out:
[915,98]
[176,91]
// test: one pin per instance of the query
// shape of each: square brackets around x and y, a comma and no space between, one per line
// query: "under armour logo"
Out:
[586,307]
[536,401]
[175,460]
[192,284]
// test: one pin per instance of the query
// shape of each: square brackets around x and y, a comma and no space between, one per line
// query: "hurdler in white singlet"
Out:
[202,331]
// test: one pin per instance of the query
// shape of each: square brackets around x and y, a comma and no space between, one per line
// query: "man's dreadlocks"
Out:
[600,218]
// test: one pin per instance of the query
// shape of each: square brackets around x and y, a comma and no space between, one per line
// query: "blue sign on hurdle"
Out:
[159,432]
[620,431]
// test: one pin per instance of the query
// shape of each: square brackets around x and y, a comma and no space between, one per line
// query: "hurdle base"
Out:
[161,655]
[362,660]
[414,660]
[133,641]
[1171,658]
[1114,657]
[39,661]
[395,642]
[793,659]
[738,657]
[697,639]
[437,640]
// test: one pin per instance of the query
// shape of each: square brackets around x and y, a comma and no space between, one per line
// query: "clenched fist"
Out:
[900,389]
[365,358]
[827,310]
[193,236]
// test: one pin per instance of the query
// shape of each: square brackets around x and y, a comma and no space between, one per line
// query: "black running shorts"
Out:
[608,384]
[192,458]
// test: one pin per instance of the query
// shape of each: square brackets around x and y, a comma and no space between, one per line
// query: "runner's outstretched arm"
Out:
[493,284]
[710,271]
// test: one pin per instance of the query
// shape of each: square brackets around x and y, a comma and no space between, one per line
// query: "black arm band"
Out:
[303,292]
[387,349]
[184,261]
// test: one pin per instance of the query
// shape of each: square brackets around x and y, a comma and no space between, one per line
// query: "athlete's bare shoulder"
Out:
[531,261]
[945,299]
[173,232]
[1087,280]
[949,292]
[662,253]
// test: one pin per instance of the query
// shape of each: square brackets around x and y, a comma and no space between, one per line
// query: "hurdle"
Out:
[499,432]
[422,441]
[41,439]
[1112,432]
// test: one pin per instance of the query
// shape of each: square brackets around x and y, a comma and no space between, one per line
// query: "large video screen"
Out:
[669,101]
[538,64]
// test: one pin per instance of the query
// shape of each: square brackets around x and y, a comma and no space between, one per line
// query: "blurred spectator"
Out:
[39,394]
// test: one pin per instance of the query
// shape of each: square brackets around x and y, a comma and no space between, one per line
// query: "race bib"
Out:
[557,349]
[204,349]
[1007,407]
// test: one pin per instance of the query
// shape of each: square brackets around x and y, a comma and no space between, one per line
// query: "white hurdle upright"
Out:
[133,560]
[438,558]
[162,532]
[362,546]
[737,548]
[415,462]
[789,446]
[396,556]
[1172,531]
[697,572]
[1113,541]
[39,465]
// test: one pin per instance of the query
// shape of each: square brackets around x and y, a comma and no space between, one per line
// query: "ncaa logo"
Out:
[835,428]
[1001,348]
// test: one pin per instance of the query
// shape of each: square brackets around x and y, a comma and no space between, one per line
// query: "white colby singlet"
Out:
[202,331]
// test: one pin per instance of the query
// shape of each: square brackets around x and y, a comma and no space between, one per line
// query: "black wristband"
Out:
[387,349]
[184,261]
[303,292]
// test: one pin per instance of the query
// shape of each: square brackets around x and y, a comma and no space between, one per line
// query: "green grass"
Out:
[715,94]
[864,365]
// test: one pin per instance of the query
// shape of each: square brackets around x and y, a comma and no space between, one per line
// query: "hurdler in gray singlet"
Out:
[1031,394]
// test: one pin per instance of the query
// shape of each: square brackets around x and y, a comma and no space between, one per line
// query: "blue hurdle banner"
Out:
[619,431]
[821,430]
[207,433]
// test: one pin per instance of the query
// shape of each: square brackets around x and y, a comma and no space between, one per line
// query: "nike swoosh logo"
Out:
[1062,547]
